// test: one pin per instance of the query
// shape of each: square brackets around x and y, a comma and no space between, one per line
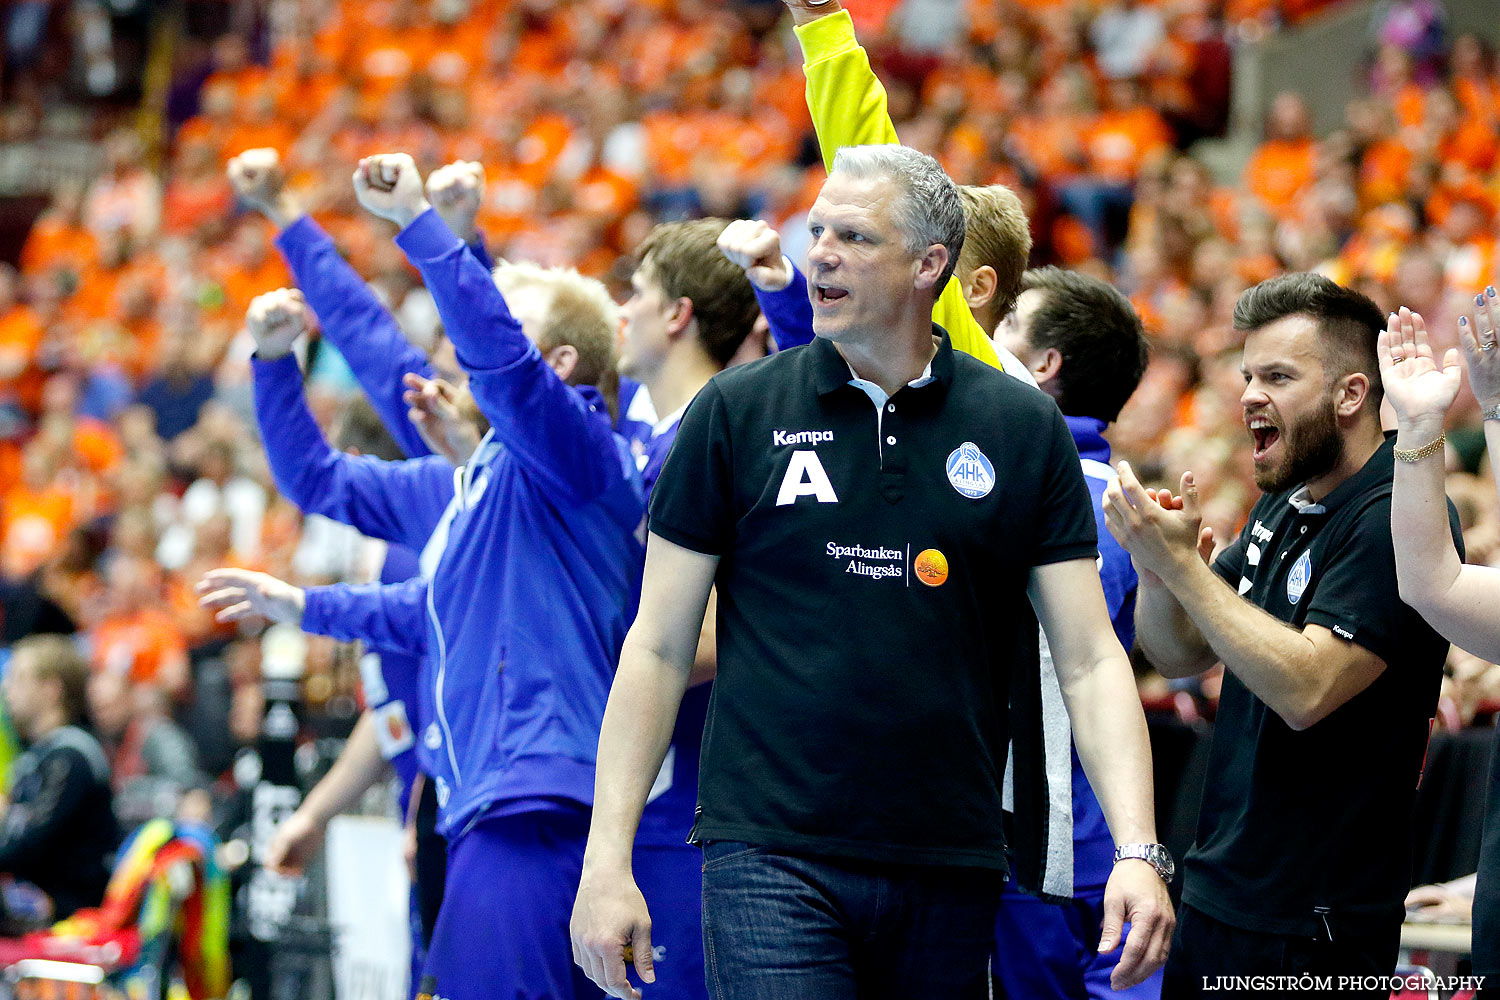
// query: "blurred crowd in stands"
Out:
[128,459]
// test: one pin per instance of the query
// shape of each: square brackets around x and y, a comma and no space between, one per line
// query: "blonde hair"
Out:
[996,233]
[579,313]
[56,657]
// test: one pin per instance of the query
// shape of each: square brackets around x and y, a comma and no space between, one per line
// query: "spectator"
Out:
[152,760]
[1282,166]
[219,489]
[136,637]
[179,386]
[1124,35]
[57,831]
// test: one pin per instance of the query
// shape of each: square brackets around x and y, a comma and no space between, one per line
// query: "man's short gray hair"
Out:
[930,211]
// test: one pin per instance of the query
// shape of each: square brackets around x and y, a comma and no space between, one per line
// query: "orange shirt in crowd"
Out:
[1051,143]
[190,204]
[53,243]
[1479,98]
[32,525]
[1410,105]
[1279,170]
[21,333]
[1118,142]
[1472,265]
[147,646]
[97,444]
[1382,173]
[1474,145]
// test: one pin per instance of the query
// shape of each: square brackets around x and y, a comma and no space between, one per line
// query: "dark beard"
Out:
[1313,448]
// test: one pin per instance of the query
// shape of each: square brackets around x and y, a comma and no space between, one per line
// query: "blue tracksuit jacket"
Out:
[521,620]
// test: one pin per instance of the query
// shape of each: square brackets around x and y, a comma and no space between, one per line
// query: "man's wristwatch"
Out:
[1154,855]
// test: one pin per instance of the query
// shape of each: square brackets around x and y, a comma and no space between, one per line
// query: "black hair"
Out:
[1096,330]
[1348,321]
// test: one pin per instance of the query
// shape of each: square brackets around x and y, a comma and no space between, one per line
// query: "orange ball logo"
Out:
[931,567]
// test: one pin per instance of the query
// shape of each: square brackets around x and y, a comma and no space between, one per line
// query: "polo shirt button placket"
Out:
[892,463]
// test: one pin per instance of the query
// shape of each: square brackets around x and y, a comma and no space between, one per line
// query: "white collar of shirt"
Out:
[879,396]
[668,422]
[1301,498]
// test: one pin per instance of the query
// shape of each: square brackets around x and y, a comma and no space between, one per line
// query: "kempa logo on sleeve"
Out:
[782,438]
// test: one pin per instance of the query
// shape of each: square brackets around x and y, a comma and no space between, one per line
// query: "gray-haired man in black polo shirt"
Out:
[876,511]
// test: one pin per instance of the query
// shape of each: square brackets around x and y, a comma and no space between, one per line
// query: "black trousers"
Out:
[1208,956]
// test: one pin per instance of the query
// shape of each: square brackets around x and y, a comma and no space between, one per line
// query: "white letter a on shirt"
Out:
[805,478]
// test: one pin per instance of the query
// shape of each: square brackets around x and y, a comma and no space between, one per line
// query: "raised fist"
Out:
[456,191]
[259,179]
[755,246]
[389,186]
[257,176]
[276,319]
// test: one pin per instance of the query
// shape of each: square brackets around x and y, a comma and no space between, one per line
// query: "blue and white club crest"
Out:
[970,472]
[1301,575]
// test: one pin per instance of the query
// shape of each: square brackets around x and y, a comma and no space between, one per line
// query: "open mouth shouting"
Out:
[826,294]
[1264,433]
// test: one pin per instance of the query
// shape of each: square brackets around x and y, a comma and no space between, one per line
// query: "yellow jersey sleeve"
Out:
[848,106]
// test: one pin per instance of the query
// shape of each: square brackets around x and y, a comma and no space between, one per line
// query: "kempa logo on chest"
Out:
[780,439]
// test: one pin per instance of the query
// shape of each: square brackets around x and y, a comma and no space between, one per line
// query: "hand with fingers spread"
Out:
[435,411]
[390,186]
[1161,533]
[1135,894]
[275,321]
[754,246]
[456,192]
[610,919]
[259,180]
[240,594]
[1477,336]
[1420,389]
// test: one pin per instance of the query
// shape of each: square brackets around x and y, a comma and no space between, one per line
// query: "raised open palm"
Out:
[1420,390]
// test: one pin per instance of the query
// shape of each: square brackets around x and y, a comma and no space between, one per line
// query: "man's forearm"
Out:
[282,210]
[1170,640]
[1275,661]
[638,720]
[358,767]
[1109,730]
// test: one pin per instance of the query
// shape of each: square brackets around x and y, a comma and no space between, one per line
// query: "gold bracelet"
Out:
[1417,454]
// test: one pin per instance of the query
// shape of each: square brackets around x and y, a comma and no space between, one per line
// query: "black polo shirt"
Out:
[1487,893]
[1296,826]
[872,594]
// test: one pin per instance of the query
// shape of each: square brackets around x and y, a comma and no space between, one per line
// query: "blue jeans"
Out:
[787,927]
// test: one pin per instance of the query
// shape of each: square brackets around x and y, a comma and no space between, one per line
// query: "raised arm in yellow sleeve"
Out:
[848,107]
